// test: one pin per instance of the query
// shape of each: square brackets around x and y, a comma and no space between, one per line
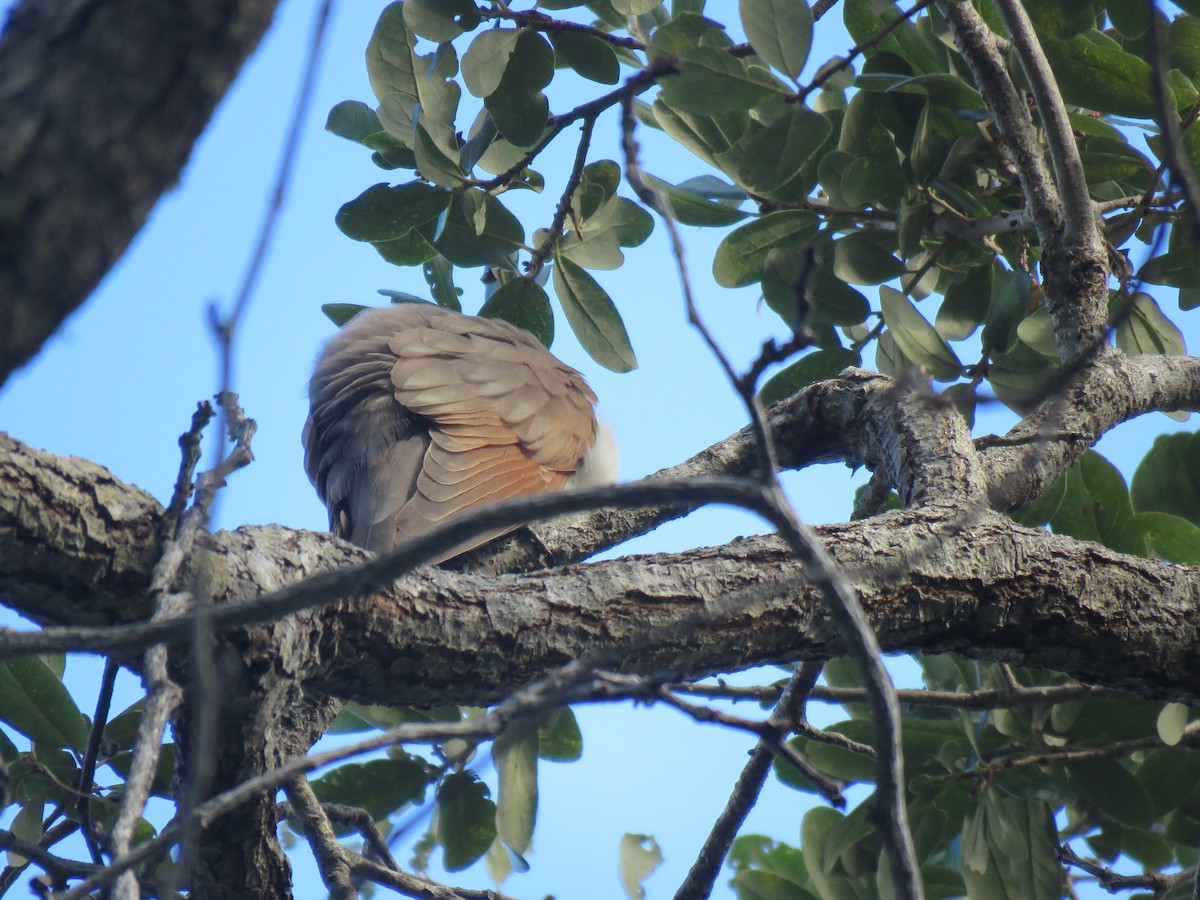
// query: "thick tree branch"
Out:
[1023,463]
[83,159]
[1074,260]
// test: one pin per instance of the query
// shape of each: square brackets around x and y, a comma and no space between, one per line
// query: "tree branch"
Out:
[118,141]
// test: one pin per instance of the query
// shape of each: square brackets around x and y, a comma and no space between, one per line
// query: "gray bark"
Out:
[100,104]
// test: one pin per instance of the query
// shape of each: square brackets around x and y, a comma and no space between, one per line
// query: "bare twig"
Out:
[1114,883]
[411,886]
[790,709]
[857,50]
[771,734]
[539,21]
[88,771]
[57,866]
[969,700]
[1174,155]
[543,251]
[331,856]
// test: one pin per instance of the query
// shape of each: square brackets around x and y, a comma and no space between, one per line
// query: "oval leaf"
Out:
[593,317]
[466,821]
[780,31]
[740,256]
[916,338]
[516,754]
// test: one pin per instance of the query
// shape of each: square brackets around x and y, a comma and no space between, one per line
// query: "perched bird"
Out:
[418,414]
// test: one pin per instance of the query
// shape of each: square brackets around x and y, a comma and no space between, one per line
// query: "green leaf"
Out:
[517,105]
[1106,159]
[740,256]
[380,786]
[412,90]
[1161,773]
[859,260]
[639,856]
[516,754]
[466,820]
[588,55]
[1096,507]
[964,305]
[1170,537]
[1183,44]
[410,250]
[559,738]
[691,207]
[477,230]
[1010,850]
[810,368]
[1022,376]
[523,303]
[595,241]
[1094,72]
[341,313]
[712,81]
[873,181]
[389,153]
[1008,307]
[944,90]
[705,135]
[826,872]
[163,783]
[916,338]
[1171,723]
[439,275]
[1036,331]
[1142,328]
[440,20]
[635,7]
[383,213]
[1112,790]
[780,31]
[34,702]
[755,884]
[1178,267]
[1168,479]
[593,317]
[434,163]
[771,160]
[352,120]
[485,61]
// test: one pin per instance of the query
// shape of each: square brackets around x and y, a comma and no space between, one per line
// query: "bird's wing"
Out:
[419,414]
[505,417]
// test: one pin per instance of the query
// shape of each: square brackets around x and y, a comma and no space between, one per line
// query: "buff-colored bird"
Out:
[418,414]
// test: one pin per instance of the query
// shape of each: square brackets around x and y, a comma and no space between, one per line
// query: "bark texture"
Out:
[85,156]
[985,588]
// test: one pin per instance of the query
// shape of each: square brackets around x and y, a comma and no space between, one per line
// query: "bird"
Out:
[418,414]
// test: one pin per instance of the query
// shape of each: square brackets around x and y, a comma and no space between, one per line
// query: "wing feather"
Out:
[419,414]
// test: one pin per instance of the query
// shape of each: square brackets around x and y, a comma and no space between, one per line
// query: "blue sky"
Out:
[120,380]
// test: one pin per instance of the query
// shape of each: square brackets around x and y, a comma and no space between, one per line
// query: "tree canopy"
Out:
[972,206]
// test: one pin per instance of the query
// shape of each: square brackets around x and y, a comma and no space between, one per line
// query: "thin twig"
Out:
[857,50]
[703,874]
[1167,115]
[87,772]
[1114,882]
[539,256]
[57,866]
[969,700]
[331,856]
[770,733]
